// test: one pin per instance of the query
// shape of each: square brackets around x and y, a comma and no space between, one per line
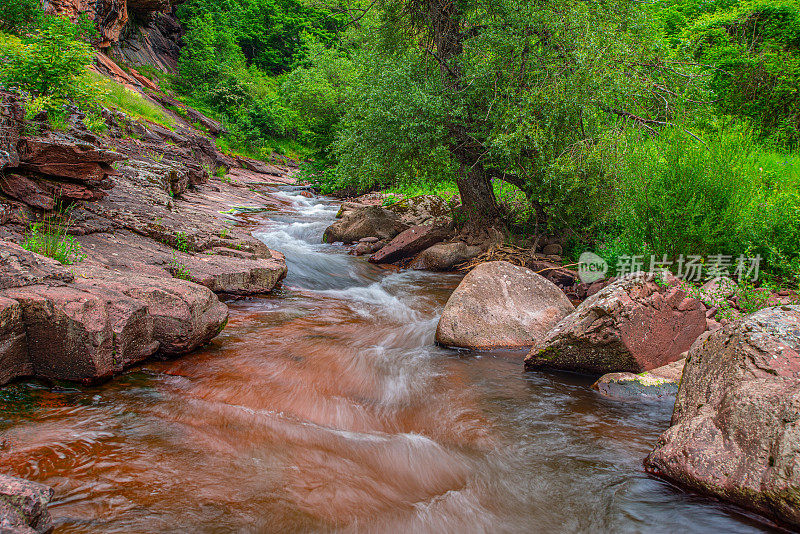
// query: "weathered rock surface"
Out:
[185,315]
[658,383]
[14,361]
[501,305]
[23,506]
[94,324]
[83,334]
[371,221]
[410,242]
[422,210]
[633,325]
[444,256]
[735,430]
[11,115]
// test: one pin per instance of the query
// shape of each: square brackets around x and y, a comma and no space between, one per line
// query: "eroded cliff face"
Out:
[140,32]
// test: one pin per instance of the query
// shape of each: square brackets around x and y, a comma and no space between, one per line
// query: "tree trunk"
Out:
[477,195]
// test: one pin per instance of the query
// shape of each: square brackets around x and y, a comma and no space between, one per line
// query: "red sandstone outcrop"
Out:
[23,506]
[633,325]
[734,430]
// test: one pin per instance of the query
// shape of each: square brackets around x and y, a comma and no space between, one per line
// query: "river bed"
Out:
[327,407]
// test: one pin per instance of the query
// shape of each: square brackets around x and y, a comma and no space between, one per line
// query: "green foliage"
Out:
[680,196]
[51,238]
[52,62]
[753,53]
[18,15]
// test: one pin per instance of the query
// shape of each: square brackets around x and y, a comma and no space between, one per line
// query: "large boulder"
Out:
[371,221]
[736,426]
[23,506]
[422,210]
[14,361]
[634,325]
[444,256]
[501,305]
[410,242]
[81,334]
[185,315]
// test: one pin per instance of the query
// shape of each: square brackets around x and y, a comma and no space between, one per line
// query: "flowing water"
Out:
[327,407]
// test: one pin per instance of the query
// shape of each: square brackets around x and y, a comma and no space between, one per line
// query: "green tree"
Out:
[16,15]
[53,60]
[523,92]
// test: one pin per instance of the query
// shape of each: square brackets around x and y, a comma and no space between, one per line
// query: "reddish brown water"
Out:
[327,407]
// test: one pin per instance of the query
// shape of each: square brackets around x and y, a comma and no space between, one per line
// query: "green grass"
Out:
[131,102]
[51,238]
[445,189]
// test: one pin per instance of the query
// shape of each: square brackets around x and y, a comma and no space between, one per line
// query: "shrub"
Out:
[50,238]
[725,196]
[16,15]
[753,50]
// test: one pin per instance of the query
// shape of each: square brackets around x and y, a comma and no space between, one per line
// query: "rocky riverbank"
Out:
[161,219]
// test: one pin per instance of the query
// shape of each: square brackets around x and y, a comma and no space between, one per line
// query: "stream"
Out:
[326,407]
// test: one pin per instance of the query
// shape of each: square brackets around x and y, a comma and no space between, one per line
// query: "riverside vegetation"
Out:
[666,128]
[141,141]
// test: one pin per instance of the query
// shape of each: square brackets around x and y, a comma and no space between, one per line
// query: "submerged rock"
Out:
[371,221]
[23,506]
[444,256]
[658,383]
[735,431]
[632,325]
[501,305]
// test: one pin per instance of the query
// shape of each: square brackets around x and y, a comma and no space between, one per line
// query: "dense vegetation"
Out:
[662,128]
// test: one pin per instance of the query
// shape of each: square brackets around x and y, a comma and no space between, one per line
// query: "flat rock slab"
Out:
[735,431]
[501,305]
[410,242]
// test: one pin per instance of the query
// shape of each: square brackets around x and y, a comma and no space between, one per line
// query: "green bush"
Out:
[677,196]
[753,51]
[17,15]
[52,62]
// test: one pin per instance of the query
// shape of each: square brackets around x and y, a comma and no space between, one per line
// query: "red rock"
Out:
[14,361]
[23,506]
[83,335]
[444,256]
[410,242]
[734,430]
[632,325]
[26,190]
[185,315]
[20,267]
[501,305]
